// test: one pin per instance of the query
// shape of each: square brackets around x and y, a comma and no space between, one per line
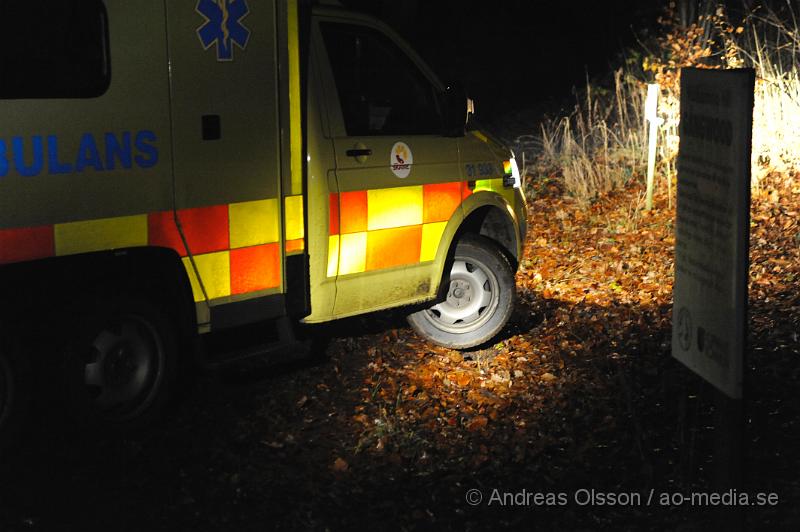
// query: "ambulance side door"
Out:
[398,177]
[227,158]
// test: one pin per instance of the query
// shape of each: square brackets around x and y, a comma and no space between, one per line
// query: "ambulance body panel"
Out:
[229,162]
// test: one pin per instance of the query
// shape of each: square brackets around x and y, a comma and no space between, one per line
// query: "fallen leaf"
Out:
[477,423]
[340,465]
[455,357]
[463,379]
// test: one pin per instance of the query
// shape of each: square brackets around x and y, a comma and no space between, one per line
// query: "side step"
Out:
[273,342]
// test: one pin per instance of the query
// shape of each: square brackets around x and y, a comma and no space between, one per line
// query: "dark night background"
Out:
[518,58]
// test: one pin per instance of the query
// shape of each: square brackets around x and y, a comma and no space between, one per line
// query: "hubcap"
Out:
[124,367]
[472,298]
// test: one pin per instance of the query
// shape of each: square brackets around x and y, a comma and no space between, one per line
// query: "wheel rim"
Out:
[472,298]
[125,367]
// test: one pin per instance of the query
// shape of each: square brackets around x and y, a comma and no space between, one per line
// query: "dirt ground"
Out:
[576,419]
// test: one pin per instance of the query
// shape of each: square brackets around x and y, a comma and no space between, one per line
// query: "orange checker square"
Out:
[255,268]
[393,247]
[30,243]
[440,200]
[205,229]
[296,245]
[353,212]
[333,214]
[162,231]
[465,189]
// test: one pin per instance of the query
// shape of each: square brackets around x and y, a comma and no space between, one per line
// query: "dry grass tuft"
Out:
[602,144]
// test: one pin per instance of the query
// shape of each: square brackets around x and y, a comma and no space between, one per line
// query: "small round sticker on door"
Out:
[401,160]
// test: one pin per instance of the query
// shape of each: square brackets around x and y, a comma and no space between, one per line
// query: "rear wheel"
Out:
[124,362]
[479,298]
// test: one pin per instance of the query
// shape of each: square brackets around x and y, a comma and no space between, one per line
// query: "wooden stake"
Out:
[651,115]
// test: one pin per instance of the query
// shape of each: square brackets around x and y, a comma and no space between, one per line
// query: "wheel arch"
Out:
[42,290]
[495,223]
[486,214]
[490,215]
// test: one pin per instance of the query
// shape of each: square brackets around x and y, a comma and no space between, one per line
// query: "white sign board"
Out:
[709,310]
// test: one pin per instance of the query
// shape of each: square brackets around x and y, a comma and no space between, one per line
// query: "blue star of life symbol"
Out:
[223,26]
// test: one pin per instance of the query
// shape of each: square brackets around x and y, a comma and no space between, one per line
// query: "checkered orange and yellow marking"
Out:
[234,247]
[384,228]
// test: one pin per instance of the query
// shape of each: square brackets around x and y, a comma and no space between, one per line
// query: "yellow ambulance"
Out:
[174,168]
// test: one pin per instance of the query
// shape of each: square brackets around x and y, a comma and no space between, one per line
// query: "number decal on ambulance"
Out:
[475,171]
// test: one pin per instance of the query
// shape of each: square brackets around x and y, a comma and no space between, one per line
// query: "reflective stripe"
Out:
[214,270]
[31,243]
[293,217]
[102,234]
[398,246]
[431,237]
[440,201]
[352,253]
[163,232]
[333,255]
[205,229]
[465,190]
[295,246]
[496,185]
[353,211]
[389,227]
[255,268]
[394,207]
[249,229]
[333,214]
[253,223]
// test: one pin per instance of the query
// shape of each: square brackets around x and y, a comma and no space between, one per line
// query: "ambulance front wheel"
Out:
[124,362]
[478,301]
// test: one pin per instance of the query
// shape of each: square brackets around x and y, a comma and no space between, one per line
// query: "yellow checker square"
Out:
[353,253]
[394,207]
[253,223]
[333,255]
[431,237]
[496,185]
[97,235]
[214,270]
[488,184]
[293,216]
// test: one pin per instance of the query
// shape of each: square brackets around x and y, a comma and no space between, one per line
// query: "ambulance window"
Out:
[381,91]
[53,49]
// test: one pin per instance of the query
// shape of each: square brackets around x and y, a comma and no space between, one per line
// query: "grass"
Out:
[601,145]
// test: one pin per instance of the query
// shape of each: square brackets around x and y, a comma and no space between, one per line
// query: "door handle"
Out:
[359,152]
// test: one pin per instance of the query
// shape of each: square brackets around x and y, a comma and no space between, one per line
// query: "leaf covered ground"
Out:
[387,432]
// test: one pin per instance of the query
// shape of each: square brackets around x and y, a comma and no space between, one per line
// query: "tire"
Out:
[478,301]
[14,393]
[123,363]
